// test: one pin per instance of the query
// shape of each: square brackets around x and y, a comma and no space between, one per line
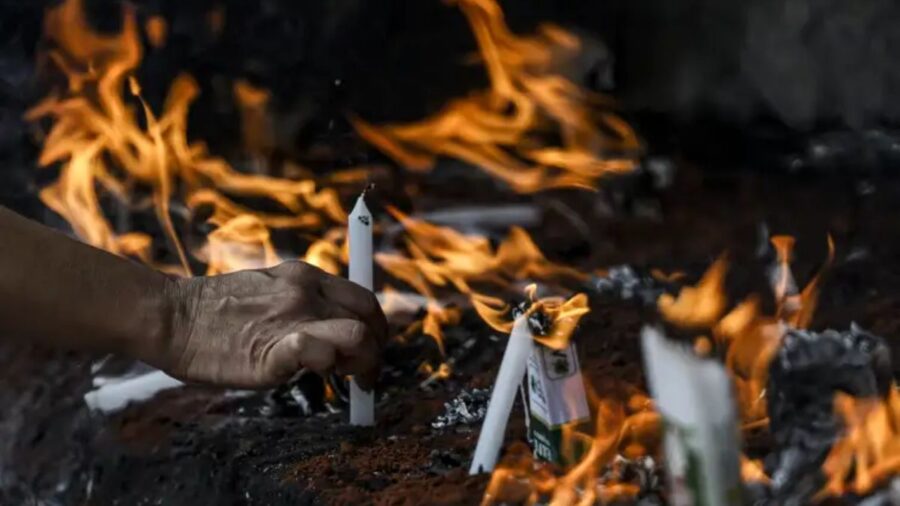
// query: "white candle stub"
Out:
[116,395]
[512,370]
[362,403]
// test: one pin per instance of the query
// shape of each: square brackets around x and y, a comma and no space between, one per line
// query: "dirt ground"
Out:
[198,446]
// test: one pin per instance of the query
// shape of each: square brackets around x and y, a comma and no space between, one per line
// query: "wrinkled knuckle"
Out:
[293,269]
[301,343]
[357,335]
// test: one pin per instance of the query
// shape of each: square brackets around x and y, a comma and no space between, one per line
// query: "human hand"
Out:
[257,328]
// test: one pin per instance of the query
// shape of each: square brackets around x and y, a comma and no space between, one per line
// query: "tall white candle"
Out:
[512,370]
[362,403]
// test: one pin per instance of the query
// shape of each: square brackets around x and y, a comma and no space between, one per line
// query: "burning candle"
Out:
[362,403]
[512,370]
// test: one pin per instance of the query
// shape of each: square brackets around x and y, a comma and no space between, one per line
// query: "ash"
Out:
[466,408]
[623,282]
[809,368]
[538,321]
[642,472]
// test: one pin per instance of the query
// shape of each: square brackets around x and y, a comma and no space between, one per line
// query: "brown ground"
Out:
[195,447]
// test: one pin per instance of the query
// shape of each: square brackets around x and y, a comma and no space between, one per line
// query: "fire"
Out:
[749,338]
[563,314]
[157,31]
[440,258]
[501,129]
[869,451]
[795,308]
[107,149]
[256,127]
[618,428]
[240,243]
[701,305]
[111,146]
[751,341]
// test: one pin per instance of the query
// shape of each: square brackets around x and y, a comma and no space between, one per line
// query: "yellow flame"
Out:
[104,149]
[499,129]
[617,429]
[868,453]
[701,305]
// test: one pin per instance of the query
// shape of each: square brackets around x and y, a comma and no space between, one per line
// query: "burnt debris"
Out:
[467,408]
[538,321]
[624,282]
[302,396]
[809,368]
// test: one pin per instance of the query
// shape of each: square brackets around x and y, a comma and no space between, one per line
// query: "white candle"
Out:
[113,396]
[512,370]
[362,403]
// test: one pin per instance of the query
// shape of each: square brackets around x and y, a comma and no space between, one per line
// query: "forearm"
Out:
[63,293]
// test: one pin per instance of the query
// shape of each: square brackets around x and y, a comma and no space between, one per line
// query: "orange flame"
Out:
[157,31]
[499,130]
[564,315]
[103,149]
[241,243]
[256,127]
[869,451]
[617,429]
[441,258]
[749,339]
[701,305]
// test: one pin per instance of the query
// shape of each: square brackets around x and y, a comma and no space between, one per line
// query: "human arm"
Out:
[248,329]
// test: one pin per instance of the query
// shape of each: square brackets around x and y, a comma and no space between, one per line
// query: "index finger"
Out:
[357,300]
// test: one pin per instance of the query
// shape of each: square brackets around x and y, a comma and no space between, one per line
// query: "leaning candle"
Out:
[512,370]
[362,403]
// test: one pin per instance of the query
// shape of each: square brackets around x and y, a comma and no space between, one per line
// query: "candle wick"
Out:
[369,187]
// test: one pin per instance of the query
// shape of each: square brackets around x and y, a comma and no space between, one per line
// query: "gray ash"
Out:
[642,472]
[809,368]
[626,283]
[465,409]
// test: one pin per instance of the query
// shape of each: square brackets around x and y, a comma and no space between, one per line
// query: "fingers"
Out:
[322,344]
[296,350]
[354,323]
[357,349]
[357,300]
[339,294]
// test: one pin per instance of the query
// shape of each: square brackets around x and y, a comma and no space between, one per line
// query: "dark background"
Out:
[748,72]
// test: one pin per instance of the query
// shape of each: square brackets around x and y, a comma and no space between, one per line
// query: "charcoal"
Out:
[642,471]
[302,396]
[538,321]
[809,368]
[623,282]
[662,171]
[445,461]
[465,409]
